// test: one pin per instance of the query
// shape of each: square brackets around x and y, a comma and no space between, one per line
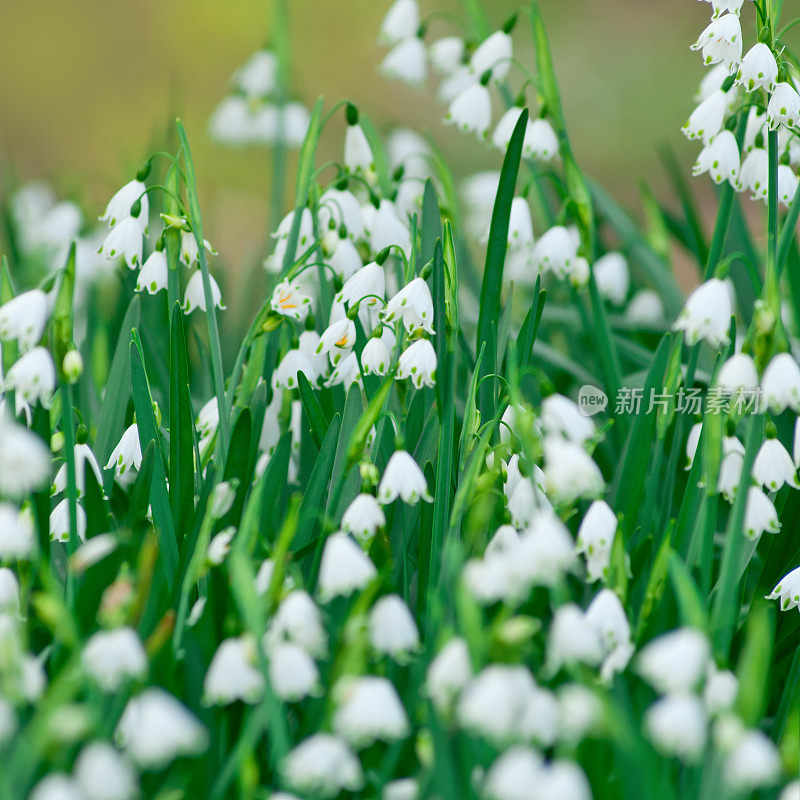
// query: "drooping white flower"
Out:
[738,373]
[57,786]
[345,373]
[60,526]
[448,673]
[596,538]
[758,69]
[754,174]
[127,454]
[675,662]
[493,703]
[363,517]
[612,276]
[720,690]
[231,122]
[540,142]
[677,726]
[155,728]
[773,466]
[555,251]
[447,54]
[412,305]
[513,774]
[581,711]
[119,206]
[730,475]
[754,763]
[561,416]
[392,629]
[788,590]
[760,515]
[493,53]
[258,76]
[726,6]
[233,674]
[368,710]
[298,620]
[344,259]
[418,362]
[706,121]
[721,41]
[471,110]
[401,789]
[9,591]
[103,774]
[290,301]
[358,157]
[84,459]
[707,314]
[23,318]
[720,159]
[24,460]
[403,478]
[401,21]
[780,383]
[153,276]
[783,107]
[113,657]
[569,471]
[124,241]
[293,674]
[323,766]
[190,255]
[195,297]
[787,184]
[337,339]
[501,136]
[388,229]
[17,533]
[645,307]
[344,569]
[606,616]
[32,377]
[376,356]
[572,639]
[407,61]
[285,374]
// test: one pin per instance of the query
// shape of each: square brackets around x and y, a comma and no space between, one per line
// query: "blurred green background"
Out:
[90,88]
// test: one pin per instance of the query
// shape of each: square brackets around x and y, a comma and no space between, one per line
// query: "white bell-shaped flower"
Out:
[540,142]
[783,107]
[298,620]
[606,616]
[760,515]
[712,80]
[103,774]
[345,373]
[413,306]
[754,763]
[358,157]
[363,517]
[293,675]
[675,662]
[448,673]
[285,375]
[720,159]
[258,76]
[513,773]
[155,728]
[195,297]
[738,373]
[375,357]
[403,478]
[401,21]
[564,780]
[32,377]
[612,276]
[231,122]
[190,255]
[645,307]
[418,362]
[754,174]
[127,454]
[706,121]
[84,458]
[730,475]
[780,383]
[387,229]
[407,61]
[323,766]
[720,690]
[707,314]
[153,276]
[364,287]
[596,538]
[344,569]
[24,460]
[501,136]
[447,54]
[290,301]
[233,674]
[561,416]
[787,590]
[471,110]
[337,339]
[23,318]
[569,471]
[114,657]
[124,241]
[17,533]
[555,252]
[758,69]
[344,260]
[392,629]
[60,526]
[368,710]
[9,591]
[726,6]
[787,184]
[572,639]
[773,466]
[721,41]
[119,206]
[57,786]
[493,53]
[677,726]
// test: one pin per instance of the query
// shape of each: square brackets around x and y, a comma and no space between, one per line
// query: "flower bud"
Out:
[72,366]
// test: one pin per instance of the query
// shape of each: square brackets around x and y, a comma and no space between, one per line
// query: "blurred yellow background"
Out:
[90,87]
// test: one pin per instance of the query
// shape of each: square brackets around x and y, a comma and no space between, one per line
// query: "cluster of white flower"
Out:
[256,111]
